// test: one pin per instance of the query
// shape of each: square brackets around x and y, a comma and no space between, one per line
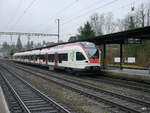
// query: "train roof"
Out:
[35,52]
[44,51]
[47,50]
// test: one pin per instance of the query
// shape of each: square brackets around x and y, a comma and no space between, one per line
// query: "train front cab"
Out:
[86,59]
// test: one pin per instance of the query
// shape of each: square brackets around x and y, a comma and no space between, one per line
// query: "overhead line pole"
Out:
[58,28]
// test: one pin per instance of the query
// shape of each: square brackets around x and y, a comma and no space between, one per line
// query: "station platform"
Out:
[135,74]
[3,103]
[145,72]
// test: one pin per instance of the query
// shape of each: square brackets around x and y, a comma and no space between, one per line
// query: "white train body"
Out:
[80,56]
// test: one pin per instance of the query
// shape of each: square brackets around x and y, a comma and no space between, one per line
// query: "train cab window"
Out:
[79,56]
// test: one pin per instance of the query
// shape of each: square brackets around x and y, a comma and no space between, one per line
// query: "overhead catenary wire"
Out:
[24,12]
[97,2]
[118,9]
[79,16]
[16,11]
[88,7]
[62,10]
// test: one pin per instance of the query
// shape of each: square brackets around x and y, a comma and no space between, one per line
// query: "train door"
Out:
[71,59]
[56,59]
[33,59]
[46,58]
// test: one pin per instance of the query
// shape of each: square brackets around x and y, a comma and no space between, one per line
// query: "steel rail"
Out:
[119,82]
[15,93]
[89,95]
[58,106]
[42,94]
[86,84]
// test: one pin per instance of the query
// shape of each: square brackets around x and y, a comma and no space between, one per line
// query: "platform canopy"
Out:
[115,38]
[122,37]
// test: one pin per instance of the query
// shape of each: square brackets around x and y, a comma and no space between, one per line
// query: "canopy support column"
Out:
[121,56]
[104,56]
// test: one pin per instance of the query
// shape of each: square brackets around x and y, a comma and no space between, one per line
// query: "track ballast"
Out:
[121,102]
[24,98]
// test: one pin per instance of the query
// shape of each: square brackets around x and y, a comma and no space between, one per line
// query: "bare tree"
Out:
[119,25]
[140,16]
[148,14]
[96,22]
[103,23]
[110,25]
[148,17]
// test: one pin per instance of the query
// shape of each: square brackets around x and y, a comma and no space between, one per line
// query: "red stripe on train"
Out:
[94,60]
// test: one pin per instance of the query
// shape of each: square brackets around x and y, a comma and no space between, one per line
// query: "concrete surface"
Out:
[3,103]
[130,74]
[129,71]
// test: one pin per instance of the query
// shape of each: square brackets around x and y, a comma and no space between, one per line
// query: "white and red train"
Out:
[79,56]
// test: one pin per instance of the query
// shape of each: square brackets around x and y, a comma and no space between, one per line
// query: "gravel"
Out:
[72,99]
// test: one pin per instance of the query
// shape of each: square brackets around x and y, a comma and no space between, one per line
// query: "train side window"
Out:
[43,58]
[36,57]
[79,56]
[65,57]
[31,57]
[60,58]
[39,57]
[51,57]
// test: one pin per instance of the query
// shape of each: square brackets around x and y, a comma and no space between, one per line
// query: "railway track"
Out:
[123,83]
[117,82]
[103,79]
[14,104]
[25,98]
[121,102]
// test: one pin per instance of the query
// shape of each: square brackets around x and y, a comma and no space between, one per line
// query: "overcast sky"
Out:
[40,15]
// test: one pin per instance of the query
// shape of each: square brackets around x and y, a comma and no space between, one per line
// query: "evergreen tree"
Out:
[44,43]
[131,24]
[86,31]
[28,45]
[73,38]
[31,44]
[5,46]
[19,44]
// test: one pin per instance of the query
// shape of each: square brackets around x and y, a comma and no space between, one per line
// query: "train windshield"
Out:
[91,50]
